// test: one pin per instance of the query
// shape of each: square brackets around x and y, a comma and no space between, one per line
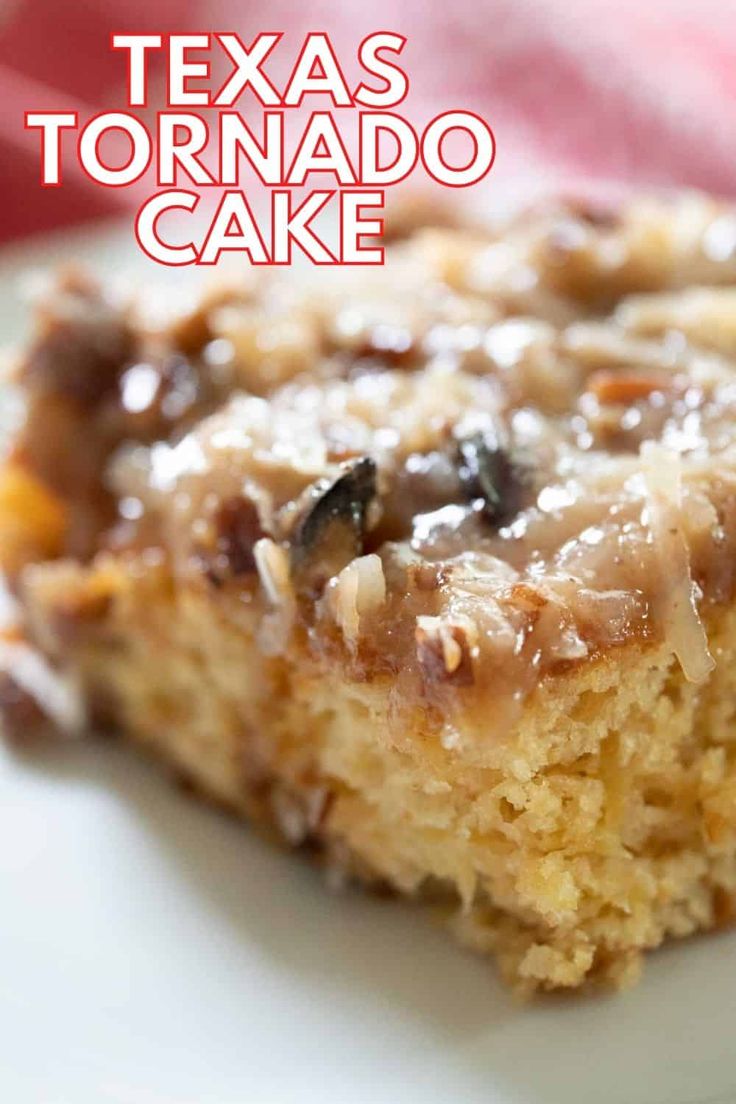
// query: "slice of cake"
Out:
[430,567]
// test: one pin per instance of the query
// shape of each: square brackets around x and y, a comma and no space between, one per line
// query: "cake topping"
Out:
[502,453]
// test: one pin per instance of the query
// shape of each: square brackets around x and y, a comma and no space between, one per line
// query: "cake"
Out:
[428,569]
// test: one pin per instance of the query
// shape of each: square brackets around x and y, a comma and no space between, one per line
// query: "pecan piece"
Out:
[627,387]
[84,345]
[237,528]
[488,472]
[332,527]
[444,651]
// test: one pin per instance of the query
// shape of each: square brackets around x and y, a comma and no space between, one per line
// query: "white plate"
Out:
[153,952]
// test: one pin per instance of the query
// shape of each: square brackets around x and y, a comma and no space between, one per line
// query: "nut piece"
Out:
[444,651]
[237,528]
[488,472]
[330,533]
[84,345]
[627,387]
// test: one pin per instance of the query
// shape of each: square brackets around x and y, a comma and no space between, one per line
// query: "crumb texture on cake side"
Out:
[430,569]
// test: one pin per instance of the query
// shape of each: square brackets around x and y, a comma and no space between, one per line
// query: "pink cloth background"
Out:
[575,90]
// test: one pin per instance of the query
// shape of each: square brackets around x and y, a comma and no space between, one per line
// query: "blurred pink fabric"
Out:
[576,90]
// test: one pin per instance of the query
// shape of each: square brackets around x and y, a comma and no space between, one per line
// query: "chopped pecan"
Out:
[84,345]
[489,473]
[444,651]
[237,528]
[332,526]
[627,387]
[424,575]
[529,600]
[191,332]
